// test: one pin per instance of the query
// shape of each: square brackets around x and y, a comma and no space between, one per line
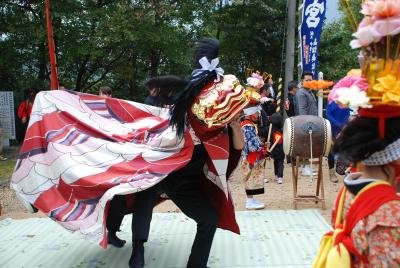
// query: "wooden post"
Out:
[51,45]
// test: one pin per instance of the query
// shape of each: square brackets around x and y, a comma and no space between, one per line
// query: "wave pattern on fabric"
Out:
[80,150]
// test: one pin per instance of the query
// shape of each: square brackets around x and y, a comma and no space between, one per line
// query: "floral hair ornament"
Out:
[350,91]
[377,35]
[256,81]
[207,66]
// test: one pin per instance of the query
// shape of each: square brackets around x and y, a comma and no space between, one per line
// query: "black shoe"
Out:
[137,257]
[114,240]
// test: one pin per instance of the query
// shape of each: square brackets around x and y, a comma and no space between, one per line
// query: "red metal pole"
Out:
[51,45]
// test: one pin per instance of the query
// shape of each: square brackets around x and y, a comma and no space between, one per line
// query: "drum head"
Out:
[288,136]
[328,140]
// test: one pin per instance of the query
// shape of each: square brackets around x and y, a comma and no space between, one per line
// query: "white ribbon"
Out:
[209,66]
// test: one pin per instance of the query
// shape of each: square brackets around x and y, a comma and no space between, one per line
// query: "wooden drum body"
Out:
[296,136]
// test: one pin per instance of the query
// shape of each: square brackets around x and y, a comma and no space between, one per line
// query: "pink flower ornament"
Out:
[366,34]
[255,81]
[385,8]
[346,83]
[382,18]
[387,26]
[352,97]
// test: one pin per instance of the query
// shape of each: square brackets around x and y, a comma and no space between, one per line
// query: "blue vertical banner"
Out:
[310,33]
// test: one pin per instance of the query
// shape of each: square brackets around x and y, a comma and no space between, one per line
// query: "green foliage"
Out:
[336,57]
[251,34]
[122,43]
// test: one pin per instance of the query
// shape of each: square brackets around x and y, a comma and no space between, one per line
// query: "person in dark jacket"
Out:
[338,117]
[276,146]
[268,106]
[291,105]
[305,98]
[306,105]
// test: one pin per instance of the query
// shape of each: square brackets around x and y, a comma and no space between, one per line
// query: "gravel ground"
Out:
[277,196]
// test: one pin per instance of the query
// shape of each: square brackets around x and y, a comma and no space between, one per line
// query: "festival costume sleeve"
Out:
[384,247]
[221,202]
[252,140]
[339,247]
[80,150]
[381,232]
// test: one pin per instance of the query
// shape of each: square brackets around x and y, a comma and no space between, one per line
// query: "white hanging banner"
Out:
[7,116]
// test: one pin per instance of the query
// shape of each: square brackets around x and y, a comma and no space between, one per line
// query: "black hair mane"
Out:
[208,48]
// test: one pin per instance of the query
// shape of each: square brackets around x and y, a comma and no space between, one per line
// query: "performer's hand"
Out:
[235,124]
[265,152]
[23,120]
[237,135]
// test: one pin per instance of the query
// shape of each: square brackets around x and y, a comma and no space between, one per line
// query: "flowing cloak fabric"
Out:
[80,150]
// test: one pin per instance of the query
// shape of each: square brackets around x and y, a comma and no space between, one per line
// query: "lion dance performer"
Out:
[82,150]
[366,213]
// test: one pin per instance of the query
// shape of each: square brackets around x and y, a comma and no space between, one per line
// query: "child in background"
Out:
[253,160]
[276,146]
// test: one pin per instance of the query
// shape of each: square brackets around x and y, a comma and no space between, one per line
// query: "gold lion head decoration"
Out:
[218,103]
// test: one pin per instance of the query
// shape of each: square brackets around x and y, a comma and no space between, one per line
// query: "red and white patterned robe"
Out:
[80,150]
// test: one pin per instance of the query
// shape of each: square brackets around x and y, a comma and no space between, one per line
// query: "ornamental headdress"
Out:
[374,89]
[210,100]
[254,83]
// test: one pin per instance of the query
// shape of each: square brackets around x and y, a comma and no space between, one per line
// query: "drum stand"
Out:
[319,194]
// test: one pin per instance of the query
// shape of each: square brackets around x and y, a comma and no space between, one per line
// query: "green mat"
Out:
[273,238]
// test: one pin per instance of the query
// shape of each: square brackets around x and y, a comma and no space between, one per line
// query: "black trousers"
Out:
[116,213]
[278,167]
[331,161]
[193,202]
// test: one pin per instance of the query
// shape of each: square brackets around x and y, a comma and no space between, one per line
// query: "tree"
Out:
[122,43]
[251,34]
[336,57]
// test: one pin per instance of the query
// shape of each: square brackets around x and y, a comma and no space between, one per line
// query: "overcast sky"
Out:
[332,12]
